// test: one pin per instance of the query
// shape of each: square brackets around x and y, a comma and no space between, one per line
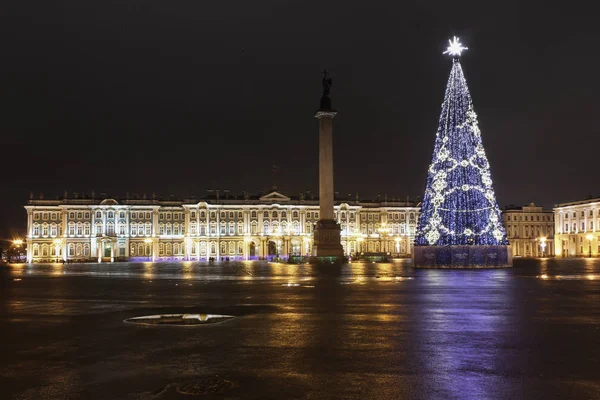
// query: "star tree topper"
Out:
[455,48]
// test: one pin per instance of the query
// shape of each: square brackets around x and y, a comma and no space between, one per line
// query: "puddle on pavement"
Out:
[179,319]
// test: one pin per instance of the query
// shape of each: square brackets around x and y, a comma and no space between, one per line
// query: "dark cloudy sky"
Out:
[184,96]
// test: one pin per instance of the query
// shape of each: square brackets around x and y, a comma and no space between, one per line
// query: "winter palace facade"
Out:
[237,228]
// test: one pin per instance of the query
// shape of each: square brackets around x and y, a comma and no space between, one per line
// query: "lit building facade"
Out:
[530,230]
[577,228]
[238,228]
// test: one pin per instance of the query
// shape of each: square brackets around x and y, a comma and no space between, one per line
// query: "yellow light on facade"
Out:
[147,240]
[590,237]
[17,242]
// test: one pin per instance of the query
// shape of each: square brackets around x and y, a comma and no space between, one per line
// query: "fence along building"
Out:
[578,228]
[236,227]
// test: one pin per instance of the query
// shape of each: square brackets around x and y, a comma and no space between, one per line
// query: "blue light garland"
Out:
[459,206]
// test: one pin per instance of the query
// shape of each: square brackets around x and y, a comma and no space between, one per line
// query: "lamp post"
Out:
[17,243]
[543,246]
[590,237]
[383,231]
[148,241]
[57,244]
[247,241]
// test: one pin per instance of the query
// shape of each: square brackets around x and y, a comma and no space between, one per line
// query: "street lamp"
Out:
[17,243]
[148,241]
[57,243]
[247,241]
[590,237]
[543,246]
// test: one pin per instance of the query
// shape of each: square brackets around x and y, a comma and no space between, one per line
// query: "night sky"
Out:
[177,97]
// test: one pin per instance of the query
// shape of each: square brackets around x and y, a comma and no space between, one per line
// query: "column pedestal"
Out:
[327,247]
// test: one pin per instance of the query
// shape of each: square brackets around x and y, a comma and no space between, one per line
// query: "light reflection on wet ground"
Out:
[362,330]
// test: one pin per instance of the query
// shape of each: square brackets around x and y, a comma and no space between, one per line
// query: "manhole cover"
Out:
[205,386]
[179,319]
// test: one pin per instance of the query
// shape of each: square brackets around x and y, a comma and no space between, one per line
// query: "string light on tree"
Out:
[459,206]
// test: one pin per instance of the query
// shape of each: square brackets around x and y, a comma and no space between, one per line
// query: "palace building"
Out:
[530,230]
[234,227]
[578,228]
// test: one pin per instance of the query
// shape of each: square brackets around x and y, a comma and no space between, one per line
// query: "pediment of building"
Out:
[274,197]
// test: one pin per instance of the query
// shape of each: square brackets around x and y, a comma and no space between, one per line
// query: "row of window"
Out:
[527,218]
[515,231]
[582,226]
[582,214]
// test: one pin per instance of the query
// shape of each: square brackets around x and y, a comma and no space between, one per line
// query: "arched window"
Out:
[98,214]
[168,230]
[134,229]
[148,229]
[36,229]
[240,228]
[253,214]
[78,250]
[110,215]
[213,248]
[294,214]
[53,250]
[231,248]
[71,249]
[203,248]
[161,249]
[240,247]
[53,229]
[36,250]
[275,227]
[169,249]
[98,228]
[274,214]
[44,250]
[176,228]
[296,228]
[266,228]
[79,229]
[86,229]
[192,228]
[222,230]
[284,228]
[308,227]
[266,214]
[232,228]
[45,229]
[122,215]
[223,247]
[202,214]
[86,249]
[71,229]
[161,228]
[110,229]
[253,228]
[175,248]
[213,228]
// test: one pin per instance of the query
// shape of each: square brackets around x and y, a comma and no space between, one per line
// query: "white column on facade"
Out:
[112,250]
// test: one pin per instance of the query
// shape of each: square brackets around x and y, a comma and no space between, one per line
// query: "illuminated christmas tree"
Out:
[459,207]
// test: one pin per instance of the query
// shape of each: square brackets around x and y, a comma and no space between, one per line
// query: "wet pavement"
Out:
[359,331]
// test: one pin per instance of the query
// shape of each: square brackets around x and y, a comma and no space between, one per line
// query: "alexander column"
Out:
[327,244]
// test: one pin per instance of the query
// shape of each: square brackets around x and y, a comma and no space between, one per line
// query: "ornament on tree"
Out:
[459,206]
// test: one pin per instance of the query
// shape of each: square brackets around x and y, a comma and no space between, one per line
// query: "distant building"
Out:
[236,227]
[577,228]
[530,230]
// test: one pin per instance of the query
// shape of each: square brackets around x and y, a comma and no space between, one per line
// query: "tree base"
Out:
[462,257]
